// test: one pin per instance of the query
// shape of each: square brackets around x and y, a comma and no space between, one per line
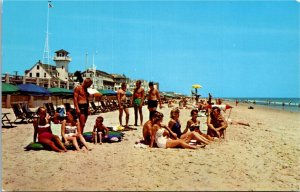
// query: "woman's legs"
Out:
[194,135]
[50,143]
[178,142]
[74,142]
[83,141]
[59,142]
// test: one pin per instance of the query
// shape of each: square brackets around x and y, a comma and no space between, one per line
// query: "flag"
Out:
[49,4]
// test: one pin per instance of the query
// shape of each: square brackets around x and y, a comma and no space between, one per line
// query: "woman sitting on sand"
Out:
[161,135]
[70,130]
[216,124]
[147,131]
[42,130]
[175,126]
[194,125]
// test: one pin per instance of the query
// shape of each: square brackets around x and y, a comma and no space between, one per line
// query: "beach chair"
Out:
[5,118]
[28,113]
[105,106]
[19,113]
[95,109]
[67,106]
[115,104]
[51,107]
[50,111]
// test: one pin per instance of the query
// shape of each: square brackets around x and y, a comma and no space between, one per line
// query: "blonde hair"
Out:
[175,110]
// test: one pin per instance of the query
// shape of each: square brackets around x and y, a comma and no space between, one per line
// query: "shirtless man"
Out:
[216,123]
[121,95]
[137,101]
[81,102]
[153,99]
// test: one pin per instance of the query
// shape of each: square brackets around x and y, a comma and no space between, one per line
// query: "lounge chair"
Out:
[49,109]
[95,109]
[28,113]
[105,106]
[19,113]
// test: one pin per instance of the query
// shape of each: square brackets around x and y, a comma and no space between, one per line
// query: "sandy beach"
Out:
[264,156]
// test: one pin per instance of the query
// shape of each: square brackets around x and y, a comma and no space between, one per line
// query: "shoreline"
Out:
[264,156]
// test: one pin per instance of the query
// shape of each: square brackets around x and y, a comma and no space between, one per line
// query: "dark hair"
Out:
[214,108]
[73,113]
[193,111]
[157,116]
[100,118]
[150,83]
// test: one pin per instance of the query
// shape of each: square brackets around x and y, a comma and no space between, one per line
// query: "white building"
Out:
[46,71]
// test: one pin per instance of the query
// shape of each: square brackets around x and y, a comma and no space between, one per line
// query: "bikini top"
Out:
[194,126]
[44,126]
[70,129]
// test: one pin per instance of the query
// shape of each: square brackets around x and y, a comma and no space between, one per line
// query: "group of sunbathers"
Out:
[169,136]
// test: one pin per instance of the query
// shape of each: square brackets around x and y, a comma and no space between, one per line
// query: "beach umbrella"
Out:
[196,86]
[107,92]
[128,94]
[60,92]
[9,88]
[57,91]
[32,89]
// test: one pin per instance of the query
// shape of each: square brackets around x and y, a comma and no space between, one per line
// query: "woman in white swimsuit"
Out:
[69,130]
[161,136]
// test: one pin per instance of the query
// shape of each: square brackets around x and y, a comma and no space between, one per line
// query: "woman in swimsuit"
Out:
[194,125]
[42,130]
[70,130]
[161,135]
[175,126]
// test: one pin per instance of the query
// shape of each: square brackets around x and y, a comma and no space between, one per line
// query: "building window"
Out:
[37,74]
[45,75]
[37,67]
[30,74]
[62,67]
[57,74]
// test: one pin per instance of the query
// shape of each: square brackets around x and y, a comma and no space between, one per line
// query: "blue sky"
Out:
[233,49]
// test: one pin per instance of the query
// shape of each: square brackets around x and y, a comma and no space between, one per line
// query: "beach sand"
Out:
[264,156]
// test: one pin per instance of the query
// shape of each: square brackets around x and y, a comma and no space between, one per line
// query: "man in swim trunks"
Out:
[138,100]
[81,102]
[153,99]
[121,95]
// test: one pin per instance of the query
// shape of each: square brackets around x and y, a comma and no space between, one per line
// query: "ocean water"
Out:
[287,104]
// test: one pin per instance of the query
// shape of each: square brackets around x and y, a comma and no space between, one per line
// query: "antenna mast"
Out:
[46,55]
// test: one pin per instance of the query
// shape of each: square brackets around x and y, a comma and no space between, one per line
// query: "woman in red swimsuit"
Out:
[42,129]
